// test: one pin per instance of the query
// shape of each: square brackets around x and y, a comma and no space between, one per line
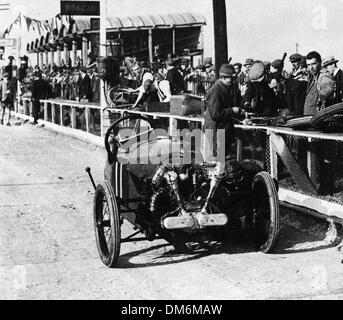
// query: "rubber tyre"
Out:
[266,211]
[302,122]
[108,237]
[326,113]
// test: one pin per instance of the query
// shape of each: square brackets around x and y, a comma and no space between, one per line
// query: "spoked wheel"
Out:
[266,220]
[107,224]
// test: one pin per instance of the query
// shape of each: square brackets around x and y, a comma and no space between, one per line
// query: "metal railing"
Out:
[80,116]
[294,158]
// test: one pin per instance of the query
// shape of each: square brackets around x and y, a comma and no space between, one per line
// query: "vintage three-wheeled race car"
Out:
[180,203]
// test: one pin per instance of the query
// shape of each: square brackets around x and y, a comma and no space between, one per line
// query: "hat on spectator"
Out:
[37,74]
[296,57]
[185,61]
[257,71]
[208,63]
[329,60]
[239,65]
[226,70]
[277,64]
[173,60]
[199,67]
[248,62]
[83,69]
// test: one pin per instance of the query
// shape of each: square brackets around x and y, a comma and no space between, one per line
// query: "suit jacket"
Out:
[7,97]
[295,96]
[85,88]
[312,97]
[176,81]
[219,113]
[338,95]
[40,89]
[267,103]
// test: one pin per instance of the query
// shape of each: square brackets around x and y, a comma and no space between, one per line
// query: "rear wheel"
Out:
[266,219]
[107,224]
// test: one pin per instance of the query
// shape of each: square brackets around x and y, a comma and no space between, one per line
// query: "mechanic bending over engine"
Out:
[221,110]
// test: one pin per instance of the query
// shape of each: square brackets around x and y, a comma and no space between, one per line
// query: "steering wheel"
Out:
[113,140]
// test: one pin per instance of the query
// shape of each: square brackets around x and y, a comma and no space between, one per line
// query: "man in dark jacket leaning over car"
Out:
[221,109]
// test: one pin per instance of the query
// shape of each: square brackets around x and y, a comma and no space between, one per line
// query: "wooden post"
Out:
[220,33]
[45,111]
[58,58]
[174,40]
[73,117]
[61,115]
[74,55]
[53,113]
[66,54]
[87,119]
[46,53]
[151,55]
[84,51]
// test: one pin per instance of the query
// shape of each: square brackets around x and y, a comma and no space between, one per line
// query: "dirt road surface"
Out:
[48,249]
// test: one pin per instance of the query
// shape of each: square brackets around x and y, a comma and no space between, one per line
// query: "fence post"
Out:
[45,110]
[87,118]
[61,114]
[273,158]
[73,117]
[53,112]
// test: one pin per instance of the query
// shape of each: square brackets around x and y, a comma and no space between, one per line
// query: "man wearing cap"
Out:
[8,90]
[298,73]
[221,108]
[40,90]
[177,85]
[260,97]
[85,86]
[295,86]
[330,63]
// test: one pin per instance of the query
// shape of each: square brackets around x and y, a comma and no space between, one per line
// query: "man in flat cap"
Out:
[298,73]
[177,85]
[330,63]
[40,90]
[7,93]
[296,86]
[260,97]
[85,86]
[221,109]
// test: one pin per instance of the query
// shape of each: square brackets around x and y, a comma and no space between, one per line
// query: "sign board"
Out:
[95,23]
[8,42]
[80,8]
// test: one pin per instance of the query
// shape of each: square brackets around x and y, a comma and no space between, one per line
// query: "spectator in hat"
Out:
[277,66]
[298,73]
[221,109]
[177,85]
[9,67]
[85,86]
[330,63]
[259,96]
[40,90]
[8,90]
